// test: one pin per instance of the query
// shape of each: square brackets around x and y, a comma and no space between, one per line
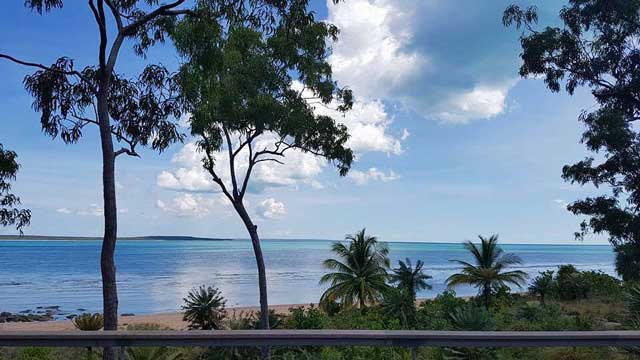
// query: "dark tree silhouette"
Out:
[239,85]
[597,48]
[9,214]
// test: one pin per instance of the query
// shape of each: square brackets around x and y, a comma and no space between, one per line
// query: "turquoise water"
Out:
[154,275]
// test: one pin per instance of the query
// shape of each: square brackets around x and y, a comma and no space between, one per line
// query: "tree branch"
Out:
[47,68]
[160,11]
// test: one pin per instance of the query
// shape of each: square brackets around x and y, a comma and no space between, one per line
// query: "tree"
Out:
[251,94]
[597,48]
[204,308]
[399,303]
[413,279]
[543,285]
[488,273]
[359,277]
[134,111]
[9,214]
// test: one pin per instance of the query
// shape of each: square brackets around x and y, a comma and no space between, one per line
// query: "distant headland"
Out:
[79,238]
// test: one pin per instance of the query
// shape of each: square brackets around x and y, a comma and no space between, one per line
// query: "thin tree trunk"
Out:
[107,262]
[262,273]
[487,293]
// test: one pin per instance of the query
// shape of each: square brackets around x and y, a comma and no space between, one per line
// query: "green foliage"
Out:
[400,303]
[35,353]
[543,285]
[470,318]
[152,353]
[596,48]
[488,273]
[204,308]
[9,215]
[434,314]
[88,322]
[413,279]
[360,274]
[306,318]
[572,284]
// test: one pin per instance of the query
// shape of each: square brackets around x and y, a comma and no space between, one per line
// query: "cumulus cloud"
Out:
[270,208]
[373,174]
[190,176]
[412,52]
[91,210]
[63,211]
[190,205]
[370,55]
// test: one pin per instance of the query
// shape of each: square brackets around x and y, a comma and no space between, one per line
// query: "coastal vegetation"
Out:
[250,96]
[489,272]
[564,298]
[10,215]
[596,48]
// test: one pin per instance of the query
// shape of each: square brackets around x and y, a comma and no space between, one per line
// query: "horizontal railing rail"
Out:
[247,338]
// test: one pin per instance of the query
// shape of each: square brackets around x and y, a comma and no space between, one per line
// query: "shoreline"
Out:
[170,320]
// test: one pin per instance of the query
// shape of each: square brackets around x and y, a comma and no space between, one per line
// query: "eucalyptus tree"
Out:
[9,214]
[597,48]
[251,95]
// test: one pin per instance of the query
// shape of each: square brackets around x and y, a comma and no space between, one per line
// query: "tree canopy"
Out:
[9,214]
[597,48]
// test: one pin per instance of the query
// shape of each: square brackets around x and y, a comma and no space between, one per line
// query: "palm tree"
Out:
[410,278]
[489,271]
[543,285]
[204,308]
[360,274]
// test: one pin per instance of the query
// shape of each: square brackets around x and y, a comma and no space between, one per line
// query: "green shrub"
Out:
[571,285]
[35,353]
[306,318]
[152,353]
[204,308]
[433,313]
[88,322]
[399,303]
[543,285]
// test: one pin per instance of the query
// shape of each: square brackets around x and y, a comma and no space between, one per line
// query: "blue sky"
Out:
[451,143]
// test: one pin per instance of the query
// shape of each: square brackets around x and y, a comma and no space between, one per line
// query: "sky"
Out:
[450,142]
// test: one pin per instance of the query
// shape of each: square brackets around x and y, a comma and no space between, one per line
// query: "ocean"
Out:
[155,275]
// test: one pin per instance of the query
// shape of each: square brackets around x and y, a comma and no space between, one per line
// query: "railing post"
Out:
[414,353]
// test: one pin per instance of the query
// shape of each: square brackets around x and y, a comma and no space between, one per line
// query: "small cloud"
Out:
[63,211]
[190,205]
[561,203]
[373,174]
[92,210]
[271,208]
[405,134]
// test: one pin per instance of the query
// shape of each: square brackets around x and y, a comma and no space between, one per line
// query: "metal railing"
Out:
[250,338]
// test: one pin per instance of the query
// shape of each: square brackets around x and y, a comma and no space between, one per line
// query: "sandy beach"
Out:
[167,320]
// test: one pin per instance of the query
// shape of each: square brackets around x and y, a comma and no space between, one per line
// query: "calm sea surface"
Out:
[154,276]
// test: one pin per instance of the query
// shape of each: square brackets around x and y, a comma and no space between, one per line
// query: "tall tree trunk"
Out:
[107,262]
[262,273]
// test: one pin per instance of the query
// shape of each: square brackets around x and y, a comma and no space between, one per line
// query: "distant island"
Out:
[163,237]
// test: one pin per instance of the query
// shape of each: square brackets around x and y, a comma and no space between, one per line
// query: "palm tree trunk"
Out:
[486,293]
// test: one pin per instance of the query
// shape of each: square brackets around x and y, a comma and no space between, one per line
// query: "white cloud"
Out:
[369,54]
[405,134]
[298,168]
[373,174]
[63,211]
[381,54]
[482,102]
[561,203]
[190,205]
[91,210]
[271,208]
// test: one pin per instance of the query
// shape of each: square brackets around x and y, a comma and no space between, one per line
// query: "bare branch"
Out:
[116,14]
[129,152]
